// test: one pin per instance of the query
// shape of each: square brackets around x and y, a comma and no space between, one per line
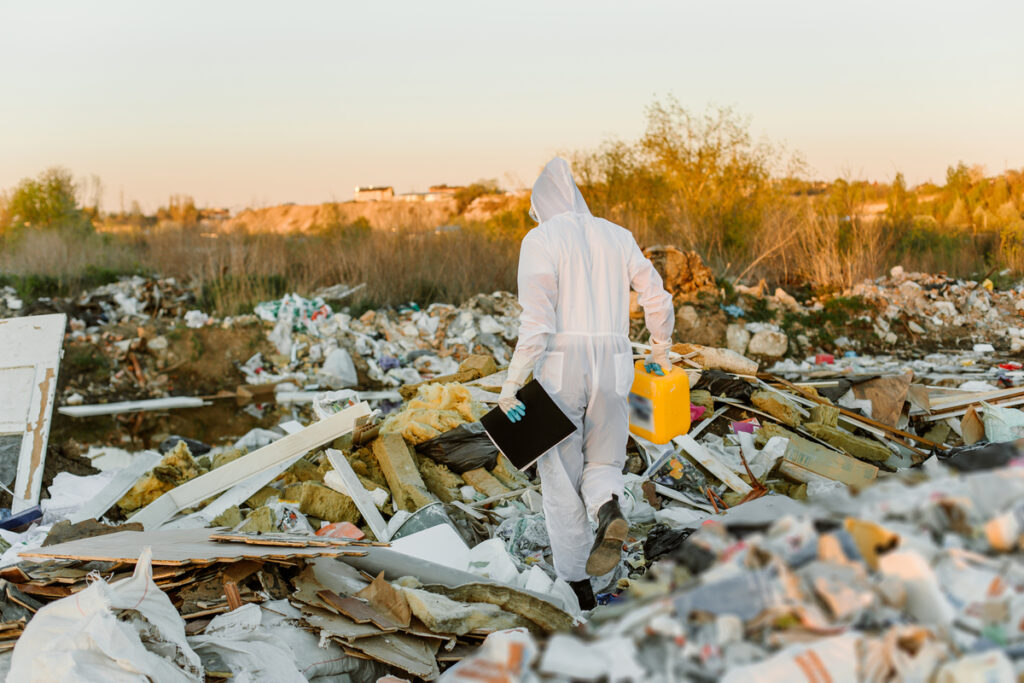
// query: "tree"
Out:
[49,201]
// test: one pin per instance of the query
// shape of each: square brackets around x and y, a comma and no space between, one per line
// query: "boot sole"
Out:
[607,554]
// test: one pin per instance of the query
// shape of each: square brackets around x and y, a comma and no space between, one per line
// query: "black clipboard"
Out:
[543,427]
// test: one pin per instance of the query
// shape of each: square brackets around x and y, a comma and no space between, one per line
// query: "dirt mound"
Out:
[380,215]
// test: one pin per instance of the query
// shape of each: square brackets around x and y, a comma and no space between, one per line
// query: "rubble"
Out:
[830,511]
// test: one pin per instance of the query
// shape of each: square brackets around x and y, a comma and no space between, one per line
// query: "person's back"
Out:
[575,273]
[581,246]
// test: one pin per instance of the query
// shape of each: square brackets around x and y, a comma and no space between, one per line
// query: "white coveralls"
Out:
[575,273]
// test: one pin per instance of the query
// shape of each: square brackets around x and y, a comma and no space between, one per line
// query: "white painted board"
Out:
[30,352]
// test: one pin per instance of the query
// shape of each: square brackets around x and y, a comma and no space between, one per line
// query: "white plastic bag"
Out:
[1002,424]
[252,654]
[80,638]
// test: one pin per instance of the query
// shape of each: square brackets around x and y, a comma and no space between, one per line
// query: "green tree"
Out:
[49,201]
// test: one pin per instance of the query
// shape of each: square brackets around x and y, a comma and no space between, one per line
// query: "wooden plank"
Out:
[712,464]
[821,460]
[359,495]
[122,482]
[175,547]
[30,351]
[238,493]
[935,417]
[193,492]
[854,417]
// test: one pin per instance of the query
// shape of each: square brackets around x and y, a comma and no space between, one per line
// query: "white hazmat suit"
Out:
[575,274]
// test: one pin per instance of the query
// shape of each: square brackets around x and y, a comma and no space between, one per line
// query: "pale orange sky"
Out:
[254,103]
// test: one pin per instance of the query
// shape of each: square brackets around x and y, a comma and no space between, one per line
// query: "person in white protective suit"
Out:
[575,275]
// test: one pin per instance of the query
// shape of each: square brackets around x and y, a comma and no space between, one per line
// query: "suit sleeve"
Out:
[659,314]
[538,294]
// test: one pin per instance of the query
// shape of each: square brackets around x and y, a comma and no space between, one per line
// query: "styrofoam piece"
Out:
[439,544]
[117,487]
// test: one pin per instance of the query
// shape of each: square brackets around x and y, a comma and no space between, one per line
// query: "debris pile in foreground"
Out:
[842,517]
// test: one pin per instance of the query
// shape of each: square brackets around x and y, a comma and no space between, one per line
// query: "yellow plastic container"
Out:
[659,407]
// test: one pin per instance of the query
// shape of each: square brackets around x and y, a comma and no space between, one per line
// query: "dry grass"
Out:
[235,269]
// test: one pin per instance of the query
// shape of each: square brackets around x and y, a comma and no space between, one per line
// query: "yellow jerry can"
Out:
[659,407]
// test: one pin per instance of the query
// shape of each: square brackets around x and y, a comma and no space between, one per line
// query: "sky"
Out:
[249,104]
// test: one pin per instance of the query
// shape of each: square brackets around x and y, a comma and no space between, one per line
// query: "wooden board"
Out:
[176,547]
[193,492]
[712,464]
[825,461]
[359,495]
[30,350]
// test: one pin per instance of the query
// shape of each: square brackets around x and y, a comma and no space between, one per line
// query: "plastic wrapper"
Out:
[467,447]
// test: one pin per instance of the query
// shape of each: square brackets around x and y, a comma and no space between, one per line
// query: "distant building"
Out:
[374,194]
[448,190]
[214,214]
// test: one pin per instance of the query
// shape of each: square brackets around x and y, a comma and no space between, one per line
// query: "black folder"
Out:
[543,427]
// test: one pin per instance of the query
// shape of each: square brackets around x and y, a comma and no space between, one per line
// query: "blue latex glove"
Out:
[510,405]
[654,369]
[517,413]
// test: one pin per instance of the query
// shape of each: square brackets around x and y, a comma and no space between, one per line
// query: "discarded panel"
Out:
[30,351]
[174,547]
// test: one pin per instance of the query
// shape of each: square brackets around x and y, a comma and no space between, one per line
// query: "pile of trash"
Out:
[907,314]
[302,346]
[836,516]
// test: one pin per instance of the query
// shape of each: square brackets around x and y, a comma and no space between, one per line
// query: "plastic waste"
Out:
[128,630]
[504,656]
[662,540]
[236,640]
[1002,424]
[196,448]
[467,447]
[829,659]
[338,371]
[982,456]
[1004,532]
[659,405]
[723,384]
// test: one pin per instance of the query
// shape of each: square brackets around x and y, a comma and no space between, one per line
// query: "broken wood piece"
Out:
[703,456]
[821,460]
[854,417]
[202,487]
[233,596]
[358,493]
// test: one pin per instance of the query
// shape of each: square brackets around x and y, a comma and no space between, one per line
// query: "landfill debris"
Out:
[846,505]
